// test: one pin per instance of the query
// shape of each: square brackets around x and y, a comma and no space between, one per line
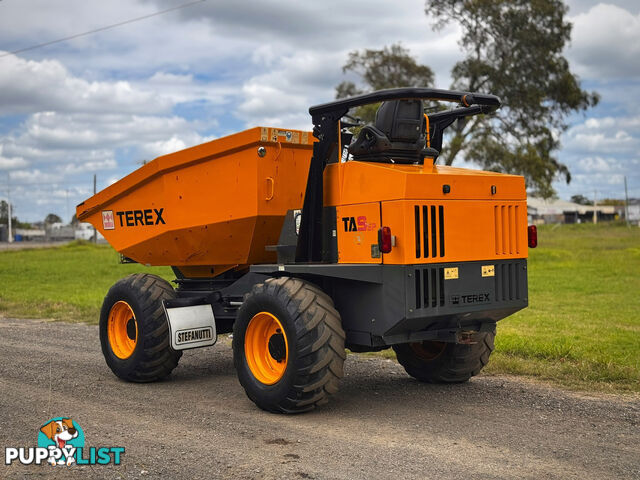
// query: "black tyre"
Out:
[440,362]
[288,345]
[134,332]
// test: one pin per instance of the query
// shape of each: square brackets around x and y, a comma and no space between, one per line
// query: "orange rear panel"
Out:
[482,217]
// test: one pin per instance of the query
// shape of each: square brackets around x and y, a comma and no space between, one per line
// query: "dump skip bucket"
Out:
[208,208]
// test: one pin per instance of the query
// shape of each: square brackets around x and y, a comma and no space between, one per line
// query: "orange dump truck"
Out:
[304,243]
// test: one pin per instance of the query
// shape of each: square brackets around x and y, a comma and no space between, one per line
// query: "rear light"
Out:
[385,239]
[533,236]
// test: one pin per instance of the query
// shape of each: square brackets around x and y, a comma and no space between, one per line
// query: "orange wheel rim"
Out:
[122,329]
[266,348]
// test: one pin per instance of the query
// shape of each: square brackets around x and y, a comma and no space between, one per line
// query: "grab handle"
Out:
[270,188]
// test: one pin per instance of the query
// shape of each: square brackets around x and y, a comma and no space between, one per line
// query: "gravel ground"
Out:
[382,424]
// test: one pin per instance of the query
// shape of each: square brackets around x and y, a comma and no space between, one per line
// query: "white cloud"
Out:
[580,6]
[267,104]
[89,166]
[11,163]
[175,143]
[606,134]
[600,152]
[32,86]
[163,78]
[599,164]
[606,43]
[50,134]
[34,176]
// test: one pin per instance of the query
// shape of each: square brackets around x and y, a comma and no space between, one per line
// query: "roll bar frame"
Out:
[326,118]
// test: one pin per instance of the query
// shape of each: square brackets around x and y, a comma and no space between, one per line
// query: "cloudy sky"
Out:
[104,103]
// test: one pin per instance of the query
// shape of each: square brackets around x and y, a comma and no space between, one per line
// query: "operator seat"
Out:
[397,136]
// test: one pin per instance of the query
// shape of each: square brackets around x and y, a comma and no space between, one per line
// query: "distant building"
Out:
[634,211]
[540,210]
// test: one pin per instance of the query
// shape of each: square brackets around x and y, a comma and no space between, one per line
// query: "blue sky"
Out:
[104,103]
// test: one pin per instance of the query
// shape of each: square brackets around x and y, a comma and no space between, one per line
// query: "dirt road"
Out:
[382,424]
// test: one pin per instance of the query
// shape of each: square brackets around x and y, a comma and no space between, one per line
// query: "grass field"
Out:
[582,326]
[581,330]
[63,283]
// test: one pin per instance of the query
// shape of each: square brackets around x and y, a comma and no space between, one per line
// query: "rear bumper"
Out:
[382,305]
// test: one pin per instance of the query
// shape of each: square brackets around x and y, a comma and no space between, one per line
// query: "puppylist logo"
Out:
[61,442]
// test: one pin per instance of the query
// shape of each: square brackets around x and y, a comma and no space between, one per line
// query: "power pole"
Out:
[10,238]
[595,212]
[66,211]
[626,201]
[95,233]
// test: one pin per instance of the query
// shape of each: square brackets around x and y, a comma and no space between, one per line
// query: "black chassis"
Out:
[382,305]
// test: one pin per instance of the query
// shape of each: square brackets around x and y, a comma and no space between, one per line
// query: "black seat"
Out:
[397,136]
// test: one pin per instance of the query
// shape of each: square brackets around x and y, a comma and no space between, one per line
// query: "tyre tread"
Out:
[320,341]
[157,360]
[457,364]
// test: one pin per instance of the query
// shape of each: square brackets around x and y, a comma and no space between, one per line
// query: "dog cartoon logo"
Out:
[61,442]
[62,435]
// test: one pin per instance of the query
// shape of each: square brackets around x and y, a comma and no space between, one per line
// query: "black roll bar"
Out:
[465,98]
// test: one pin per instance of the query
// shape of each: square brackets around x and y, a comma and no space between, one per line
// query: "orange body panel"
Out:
[220,202]
[358,230]
[468,223]
[467,231]
[364,182]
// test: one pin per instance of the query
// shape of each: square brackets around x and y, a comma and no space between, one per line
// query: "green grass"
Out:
[62,283]
[581,330]
[582,326]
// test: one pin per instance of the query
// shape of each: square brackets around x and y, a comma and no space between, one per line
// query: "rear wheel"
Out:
[288,345]
[134,333]
[440,362]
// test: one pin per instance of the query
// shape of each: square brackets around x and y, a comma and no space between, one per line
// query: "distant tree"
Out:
[4,216]
[52,218]
[616,202]
[514,49]
[4,213]
[74,220]
[391,67]
[581,200]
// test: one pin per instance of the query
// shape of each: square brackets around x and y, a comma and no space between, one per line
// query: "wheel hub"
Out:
[131,329]
[277,347]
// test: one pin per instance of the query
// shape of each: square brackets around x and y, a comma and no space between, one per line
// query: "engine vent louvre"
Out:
[506,233]
[507,280]
[429,285]
[429,228]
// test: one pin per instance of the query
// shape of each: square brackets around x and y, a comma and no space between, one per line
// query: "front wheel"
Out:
[288,345]
[134,332]
[441,362]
